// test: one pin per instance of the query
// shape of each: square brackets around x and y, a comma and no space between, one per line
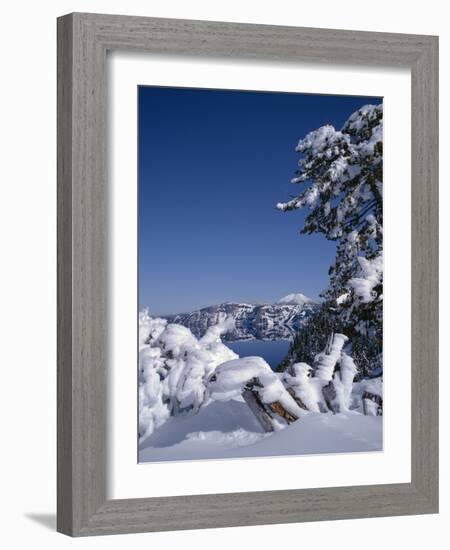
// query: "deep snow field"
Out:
[230,430]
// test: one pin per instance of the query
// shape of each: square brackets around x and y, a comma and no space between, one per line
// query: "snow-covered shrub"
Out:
[173,367]
[308,390]
[325,361]
[149,328]
[367,396]
[347,374]
[328,383]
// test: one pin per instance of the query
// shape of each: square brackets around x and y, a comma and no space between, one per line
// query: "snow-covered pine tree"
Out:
[341,171]
[312,337]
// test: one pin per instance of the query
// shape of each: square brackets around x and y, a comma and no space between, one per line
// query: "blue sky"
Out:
[212,166]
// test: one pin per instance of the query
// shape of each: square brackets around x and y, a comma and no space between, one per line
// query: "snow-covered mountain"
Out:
[298,299]
[252,321]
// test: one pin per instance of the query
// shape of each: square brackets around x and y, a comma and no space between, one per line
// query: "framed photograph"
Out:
[247,274]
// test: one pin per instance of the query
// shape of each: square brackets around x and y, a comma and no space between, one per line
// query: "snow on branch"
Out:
[325,361]
[341,173]
[370,276]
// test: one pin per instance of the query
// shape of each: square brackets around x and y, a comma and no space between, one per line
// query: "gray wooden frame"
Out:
[83,40]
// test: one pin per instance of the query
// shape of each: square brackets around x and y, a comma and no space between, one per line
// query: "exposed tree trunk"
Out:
[257,407]
[266,413]
[376,193]
[297,399]
[290,370]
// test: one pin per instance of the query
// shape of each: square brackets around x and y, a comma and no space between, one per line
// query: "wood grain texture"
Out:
[64,298]
[425,250]
[83,40]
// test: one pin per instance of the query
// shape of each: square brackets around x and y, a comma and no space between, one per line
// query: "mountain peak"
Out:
[298,299]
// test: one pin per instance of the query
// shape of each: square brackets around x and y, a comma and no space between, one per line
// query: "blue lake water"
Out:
[272,351]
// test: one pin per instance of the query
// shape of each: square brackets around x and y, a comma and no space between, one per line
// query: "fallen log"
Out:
[266,413]
[262,390]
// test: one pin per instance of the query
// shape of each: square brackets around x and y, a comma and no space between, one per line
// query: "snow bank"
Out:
[230,430]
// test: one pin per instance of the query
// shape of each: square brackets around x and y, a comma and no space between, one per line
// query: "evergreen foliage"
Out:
[341,174]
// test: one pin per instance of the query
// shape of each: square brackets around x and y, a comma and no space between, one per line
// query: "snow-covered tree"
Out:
[327,384]
[312,336]
[173,369]
[341,174]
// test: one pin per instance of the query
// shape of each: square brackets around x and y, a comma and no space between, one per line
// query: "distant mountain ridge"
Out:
[252,321]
